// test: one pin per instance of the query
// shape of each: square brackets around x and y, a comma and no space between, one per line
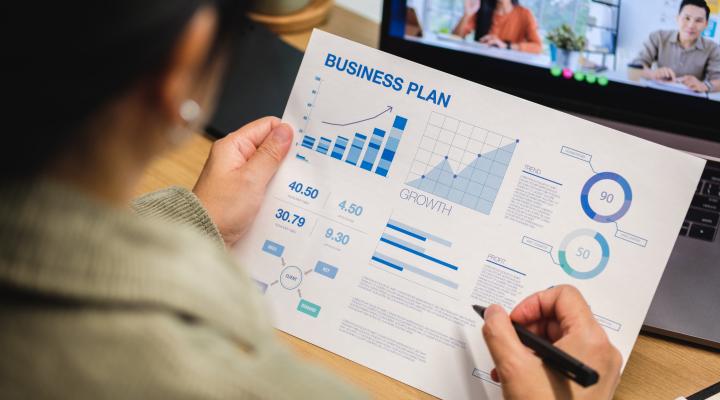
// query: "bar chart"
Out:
[461,163]
[374,152]
[405,249]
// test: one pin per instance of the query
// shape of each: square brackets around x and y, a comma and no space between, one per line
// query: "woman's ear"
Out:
[186,64]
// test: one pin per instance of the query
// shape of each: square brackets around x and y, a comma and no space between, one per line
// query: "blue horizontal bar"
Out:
[417,253]
[407,232]
[421,233]
[508,268]
[418,271]
[425,274]
[389,264]
[402,242]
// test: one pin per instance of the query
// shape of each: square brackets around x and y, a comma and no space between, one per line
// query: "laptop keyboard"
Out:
[701,221]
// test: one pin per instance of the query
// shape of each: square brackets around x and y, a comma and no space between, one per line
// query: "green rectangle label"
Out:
[308,308]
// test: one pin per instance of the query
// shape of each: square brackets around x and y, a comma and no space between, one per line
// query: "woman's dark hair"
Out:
[76,56]
[484,17]
[697,3]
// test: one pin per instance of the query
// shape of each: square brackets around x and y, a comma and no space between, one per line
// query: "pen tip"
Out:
[480,310]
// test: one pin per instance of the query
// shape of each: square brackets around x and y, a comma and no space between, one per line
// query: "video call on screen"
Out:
[652,44]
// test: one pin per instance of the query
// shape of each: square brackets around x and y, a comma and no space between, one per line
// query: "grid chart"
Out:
[460,162]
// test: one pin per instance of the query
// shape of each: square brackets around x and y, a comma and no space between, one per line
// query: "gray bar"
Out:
[429,236]
[402,242]
[418,271]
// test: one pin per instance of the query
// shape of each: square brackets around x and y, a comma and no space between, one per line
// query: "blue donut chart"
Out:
[604,248]
[585,201]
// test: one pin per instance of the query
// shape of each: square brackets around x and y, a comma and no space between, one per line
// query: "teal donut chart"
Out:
[604,248]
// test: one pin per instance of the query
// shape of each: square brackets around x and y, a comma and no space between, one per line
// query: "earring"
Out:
[189,111]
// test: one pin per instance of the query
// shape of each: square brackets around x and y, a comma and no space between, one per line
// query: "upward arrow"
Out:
[388,109]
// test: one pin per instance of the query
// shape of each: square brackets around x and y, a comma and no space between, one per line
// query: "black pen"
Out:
[552,356]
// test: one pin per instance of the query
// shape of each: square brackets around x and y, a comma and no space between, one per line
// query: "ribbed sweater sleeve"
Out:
[178,205]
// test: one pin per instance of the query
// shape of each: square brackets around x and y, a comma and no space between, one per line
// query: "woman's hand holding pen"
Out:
[561,315]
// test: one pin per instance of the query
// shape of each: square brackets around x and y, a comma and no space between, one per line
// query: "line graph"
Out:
[387,109]
[462,163]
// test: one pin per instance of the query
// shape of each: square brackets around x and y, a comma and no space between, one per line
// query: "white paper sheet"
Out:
[411,194]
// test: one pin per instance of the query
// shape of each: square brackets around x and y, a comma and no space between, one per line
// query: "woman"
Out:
[500,23]
[100,300]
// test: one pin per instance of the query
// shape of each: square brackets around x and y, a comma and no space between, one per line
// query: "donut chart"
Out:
[585,197]
[587,234]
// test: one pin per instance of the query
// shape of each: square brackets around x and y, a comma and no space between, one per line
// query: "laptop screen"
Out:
[652,62]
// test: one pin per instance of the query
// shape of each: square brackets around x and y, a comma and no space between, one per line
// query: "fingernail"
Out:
[492,310]
[282,133]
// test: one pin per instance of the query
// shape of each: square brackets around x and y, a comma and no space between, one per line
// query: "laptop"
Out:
[601,83]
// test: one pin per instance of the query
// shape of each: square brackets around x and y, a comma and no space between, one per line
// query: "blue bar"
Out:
[417,233]
[308,141]
[324,145]
[388,154]
[416,270]
[300,157]
[326,269]
[402,242]
[273,248]
[339,149]
[433,277]
[407,232]
[356,149]
[417,253]
[373,149]
[389,264]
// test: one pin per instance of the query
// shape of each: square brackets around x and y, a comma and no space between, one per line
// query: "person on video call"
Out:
[683,55]
[500,23]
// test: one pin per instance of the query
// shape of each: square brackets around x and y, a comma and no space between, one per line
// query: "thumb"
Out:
[263,164]
[508,353]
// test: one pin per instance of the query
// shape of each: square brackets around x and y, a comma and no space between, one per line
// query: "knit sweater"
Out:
[98,302]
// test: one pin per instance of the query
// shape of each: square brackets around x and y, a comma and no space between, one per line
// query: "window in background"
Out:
[553,13]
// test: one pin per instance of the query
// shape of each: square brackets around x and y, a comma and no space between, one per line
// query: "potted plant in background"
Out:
[565,46]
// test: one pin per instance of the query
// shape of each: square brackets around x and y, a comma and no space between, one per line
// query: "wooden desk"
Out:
[657,369]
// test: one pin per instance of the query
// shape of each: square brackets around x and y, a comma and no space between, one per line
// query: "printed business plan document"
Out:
[411,194]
